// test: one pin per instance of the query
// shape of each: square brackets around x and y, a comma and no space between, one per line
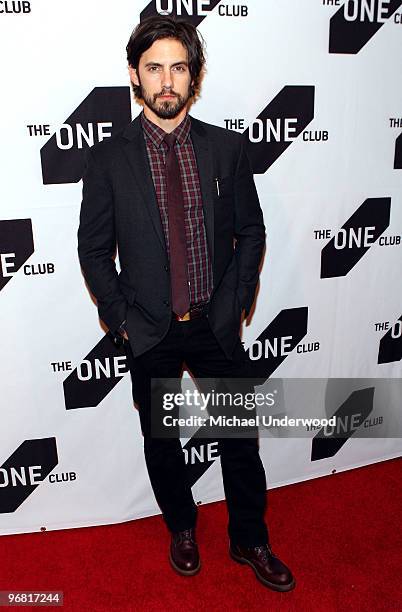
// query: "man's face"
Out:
[164,77]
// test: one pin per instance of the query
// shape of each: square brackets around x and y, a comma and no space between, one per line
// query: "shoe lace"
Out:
[187,534]
[263,552]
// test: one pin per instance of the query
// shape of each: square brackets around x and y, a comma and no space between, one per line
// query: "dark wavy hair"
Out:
[156,27]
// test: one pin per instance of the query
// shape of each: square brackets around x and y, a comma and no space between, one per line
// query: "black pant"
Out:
[194,343]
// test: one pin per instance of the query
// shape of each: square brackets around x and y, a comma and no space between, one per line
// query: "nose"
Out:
[167,81]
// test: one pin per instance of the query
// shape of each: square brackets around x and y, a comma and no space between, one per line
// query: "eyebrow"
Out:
[158,64]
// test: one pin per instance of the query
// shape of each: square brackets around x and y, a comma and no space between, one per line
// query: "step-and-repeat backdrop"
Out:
[314,87]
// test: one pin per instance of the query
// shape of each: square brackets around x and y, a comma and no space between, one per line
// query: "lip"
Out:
[167,96]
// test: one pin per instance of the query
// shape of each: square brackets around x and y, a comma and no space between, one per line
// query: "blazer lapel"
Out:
[204,156]
[136,152]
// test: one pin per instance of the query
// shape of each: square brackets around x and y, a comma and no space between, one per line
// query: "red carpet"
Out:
[340,535]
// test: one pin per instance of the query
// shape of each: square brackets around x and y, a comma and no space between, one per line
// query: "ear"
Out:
[192,90]
[133,75]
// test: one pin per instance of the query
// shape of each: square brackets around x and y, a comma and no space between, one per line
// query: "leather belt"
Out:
[195,312]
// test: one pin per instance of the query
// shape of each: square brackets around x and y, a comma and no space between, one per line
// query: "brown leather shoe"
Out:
[183,553]
[267,567]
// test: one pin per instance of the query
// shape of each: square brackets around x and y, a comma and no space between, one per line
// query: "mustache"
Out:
[165,93]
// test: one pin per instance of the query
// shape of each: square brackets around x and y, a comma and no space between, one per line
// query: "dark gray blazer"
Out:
[119,208]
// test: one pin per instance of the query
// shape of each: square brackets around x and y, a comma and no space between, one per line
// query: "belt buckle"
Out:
[185,317]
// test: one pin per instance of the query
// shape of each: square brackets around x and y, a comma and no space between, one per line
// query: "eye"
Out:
[180,68]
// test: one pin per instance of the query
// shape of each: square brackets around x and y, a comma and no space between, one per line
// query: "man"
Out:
[177,197]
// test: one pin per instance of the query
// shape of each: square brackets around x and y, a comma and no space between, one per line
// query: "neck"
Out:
[167,125]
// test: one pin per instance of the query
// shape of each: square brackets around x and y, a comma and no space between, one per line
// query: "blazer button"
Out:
[166,268]
[166,302]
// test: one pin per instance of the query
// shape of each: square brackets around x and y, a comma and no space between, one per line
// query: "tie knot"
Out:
[170,139]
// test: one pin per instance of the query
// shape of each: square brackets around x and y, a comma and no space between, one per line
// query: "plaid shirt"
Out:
[198,261]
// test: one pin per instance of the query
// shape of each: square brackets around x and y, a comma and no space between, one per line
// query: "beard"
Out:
[166,109]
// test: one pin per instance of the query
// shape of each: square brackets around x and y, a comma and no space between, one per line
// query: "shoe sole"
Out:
[272,585]
[184,572]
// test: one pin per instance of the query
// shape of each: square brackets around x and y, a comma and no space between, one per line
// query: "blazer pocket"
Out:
[129,293]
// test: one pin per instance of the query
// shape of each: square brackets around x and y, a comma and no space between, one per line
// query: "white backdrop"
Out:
[71,455]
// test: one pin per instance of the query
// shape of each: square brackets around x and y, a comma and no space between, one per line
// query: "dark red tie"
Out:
[177,231]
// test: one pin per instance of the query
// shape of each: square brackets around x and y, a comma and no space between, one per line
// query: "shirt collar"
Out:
[156,134]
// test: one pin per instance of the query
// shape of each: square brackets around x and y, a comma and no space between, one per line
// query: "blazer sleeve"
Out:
[250,231]
[97,244]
